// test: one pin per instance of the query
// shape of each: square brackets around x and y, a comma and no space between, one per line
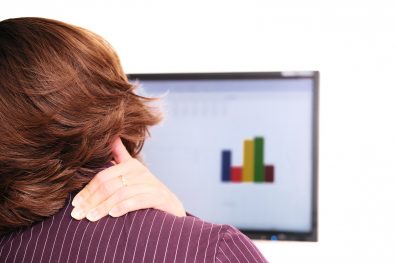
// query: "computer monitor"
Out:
[239,148]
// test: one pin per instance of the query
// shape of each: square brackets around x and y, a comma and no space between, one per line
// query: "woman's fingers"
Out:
[106,183]
[101,193]
[140,201]
[104,176]
[127,186]
[149,192]
[123,165]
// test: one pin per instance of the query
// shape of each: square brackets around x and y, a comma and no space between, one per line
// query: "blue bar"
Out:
[226,166]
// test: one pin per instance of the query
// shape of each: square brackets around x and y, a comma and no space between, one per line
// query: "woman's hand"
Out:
[127,186]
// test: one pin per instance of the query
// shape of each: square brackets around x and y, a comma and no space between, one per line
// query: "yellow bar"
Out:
[248,161]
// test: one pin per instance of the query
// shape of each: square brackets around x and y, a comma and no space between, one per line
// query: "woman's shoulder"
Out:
[147,235]
[191,239]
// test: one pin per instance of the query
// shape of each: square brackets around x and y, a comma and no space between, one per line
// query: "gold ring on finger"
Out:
[123,181]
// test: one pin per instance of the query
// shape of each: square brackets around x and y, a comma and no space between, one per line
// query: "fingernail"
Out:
[93,215]
[115,212]
[77,200]
[77,213]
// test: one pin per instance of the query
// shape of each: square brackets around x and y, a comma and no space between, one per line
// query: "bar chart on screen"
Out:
[253,169]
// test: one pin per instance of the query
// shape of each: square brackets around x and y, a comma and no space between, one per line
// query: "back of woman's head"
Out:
[63,100]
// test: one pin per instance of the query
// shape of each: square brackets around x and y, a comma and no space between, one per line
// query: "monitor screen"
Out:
[239,148]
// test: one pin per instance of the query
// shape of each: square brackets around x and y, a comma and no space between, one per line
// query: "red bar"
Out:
[269,173]
[236,174]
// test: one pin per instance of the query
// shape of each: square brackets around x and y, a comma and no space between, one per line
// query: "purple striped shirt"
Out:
[147,235]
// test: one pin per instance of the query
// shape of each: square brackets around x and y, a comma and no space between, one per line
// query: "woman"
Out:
[67,112]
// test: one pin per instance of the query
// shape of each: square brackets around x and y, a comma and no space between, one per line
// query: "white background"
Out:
[352,43]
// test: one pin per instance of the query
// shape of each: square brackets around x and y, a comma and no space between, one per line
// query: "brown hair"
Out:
[64,98]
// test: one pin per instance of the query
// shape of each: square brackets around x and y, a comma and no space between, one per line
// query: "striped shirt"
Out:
[147,235]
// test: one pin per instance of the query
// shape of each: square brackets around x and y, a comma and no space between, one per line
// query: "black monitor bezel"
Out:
[312,235]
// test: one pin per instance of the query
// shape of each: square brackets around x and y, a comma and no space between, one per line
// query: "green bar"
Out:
[259,172]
